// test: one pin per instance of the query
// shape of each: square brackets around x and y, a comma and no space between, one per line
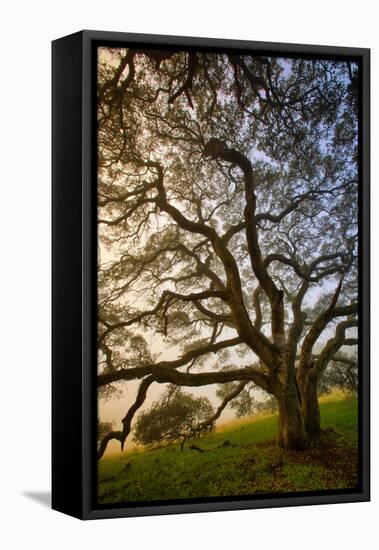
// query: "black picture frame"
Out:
[74,276]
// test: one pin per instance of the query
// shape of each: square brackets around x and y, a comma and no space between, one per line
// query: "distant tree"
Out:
[267,406]
[341,374]
[176,416]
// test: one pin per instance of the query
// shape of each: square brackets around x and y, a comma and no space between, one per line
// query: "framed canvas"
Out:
[210,275]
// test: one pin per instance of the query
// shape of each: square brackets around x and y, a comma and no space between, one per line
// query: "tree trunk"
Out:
[291,430]
[310,407]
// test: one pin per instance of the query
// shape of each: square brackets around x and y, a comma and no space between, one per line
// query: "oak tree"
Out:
[177,416]
[227,214]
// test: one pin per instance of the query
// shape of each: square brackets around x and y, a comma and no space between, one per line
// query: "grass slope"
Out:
[240,459]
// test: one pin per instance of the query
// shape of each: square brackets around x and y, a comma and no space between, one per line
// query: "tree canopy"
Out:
[227,214]
[176,416]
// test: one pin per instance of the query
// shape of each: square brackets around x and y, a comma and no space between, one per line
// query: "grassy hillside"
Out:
[241,458]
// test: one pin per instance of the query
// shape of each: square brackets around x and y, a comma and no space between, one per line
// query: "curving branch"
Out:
[163,374]
[163,303]
[305,272]
[334,344]
[232,395]
[185,88]
[113,84]
[144,370]
[296,201]
[296,329]
[259,343]
[127,420]
[216,149]
[166,375]
[104,200]
[322,320]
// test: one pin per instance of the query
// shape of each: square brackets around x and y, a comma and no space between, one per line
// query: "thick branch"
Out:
[216,149]
[296,329]
[321,322]
[127,420]
[334,344]
[145,370]
[164,374]
[296,201]
[258,342]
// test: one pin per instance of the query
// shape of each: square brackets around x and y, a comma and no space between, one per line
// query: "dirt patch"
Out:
[328,450]
[329,457]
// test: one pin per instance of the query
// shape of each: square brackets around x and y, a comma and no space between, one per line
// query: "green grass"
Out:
[250,463]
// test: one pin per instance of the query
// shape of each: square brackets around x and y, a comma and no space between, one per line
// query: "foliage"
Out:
[249,400]
[267,406]
[342,373]
[176,415]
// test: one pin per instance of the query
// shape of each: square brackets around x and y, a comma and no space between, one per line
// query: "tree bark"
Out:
[291,427]
[310,407]
[307,380]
